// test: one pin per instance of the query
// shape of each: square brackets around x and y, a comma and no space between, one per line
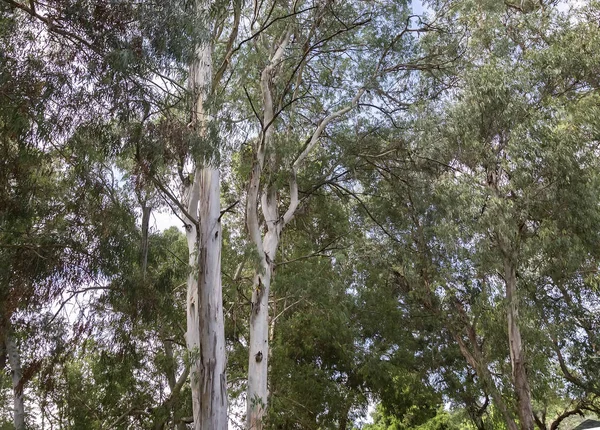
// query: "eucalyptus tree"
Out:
[483,195]
[124,62]
[127,366]
[205,334]
[61,230]
[315,378]
[310,70]
[527,170]
[69,72]
[34,232]
[130,59]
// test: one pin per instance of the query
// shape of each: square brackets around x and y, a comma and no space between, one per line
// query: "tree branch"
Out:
[193,203]
[227,209]
[237,8]
[314,140]
[567,413]
[319,130]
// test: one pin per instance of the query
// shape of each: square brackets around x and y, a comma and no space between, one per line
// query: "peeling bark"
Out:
[213,394]
[205,335]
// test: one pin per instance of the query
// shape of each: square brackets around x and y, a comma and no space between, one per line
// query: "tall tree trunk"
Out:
[205,324]
[258,364]
[258,357]
[213,399]
[14,359]
[517,353]
[193,312]
[257,394]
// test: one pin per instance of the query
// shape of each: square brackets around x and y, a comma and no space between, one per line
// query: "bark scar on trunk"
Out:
[259,293]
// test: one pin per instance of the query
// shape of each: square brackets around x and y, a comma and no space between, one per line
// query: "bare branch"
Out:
[319,130]
[73,294]
[366,209]
[228,209]
[265,27]
[318,253]
[567,413]
[193,204]
[285,309]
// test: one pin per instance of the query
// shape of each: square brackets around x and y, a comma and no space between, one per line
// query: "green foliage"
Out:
[494,171]
[442,420]
[475,143]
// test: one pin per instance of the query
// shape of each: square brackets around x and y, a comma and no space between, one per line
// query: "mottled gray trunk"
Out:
[213,399]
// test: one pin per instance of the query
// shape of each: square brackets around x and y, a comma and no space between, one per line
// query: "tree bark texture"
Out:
[14,359]
[259,334]
[205,324]
[517,353]
[257,393]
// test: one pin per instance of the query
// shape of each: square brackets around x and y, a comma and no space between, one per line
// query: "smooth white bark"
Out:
[257,393]
[205,324]
[267,243]
[193,301]
[258,363]
[14,359]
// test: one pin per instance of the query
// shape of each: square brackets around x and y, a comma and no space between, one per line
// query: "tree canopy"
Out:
[382,215]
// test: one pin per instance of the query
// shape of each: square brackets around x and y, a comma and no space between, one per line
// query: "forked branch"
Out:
[313,141]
